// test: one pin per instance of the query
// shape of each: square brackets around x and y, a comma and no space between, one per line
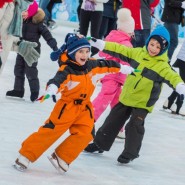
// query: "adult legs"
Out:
[173,29]
[140,37]
[43,4]
[96,19]
[84,21]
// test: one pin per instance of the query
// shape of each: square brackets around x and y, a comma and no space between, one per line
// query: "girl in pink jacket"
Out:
[112,84]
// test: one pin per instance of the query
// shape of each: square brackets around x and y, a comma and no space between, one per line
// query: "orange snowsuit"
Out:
[73,111]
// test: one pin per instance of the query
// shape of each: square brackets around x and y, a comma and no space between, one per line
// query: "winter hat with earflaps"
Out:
[125,21]
[72,44]
[161,34]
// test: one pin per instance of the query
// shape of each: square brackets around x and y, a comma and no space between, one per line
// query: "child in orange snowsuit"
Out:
[76,80]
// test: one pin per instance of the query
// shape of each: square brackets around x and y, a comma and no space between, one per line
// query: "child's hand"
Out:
[50,91]
[128,69]
[25,15]
[97,43]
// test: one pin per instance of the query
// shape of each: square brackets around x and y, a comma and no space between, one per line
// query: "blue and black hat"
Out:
[162,35]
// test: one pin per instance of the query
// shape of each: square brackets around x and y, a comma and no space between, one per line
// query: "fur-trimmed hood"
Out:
[38,17]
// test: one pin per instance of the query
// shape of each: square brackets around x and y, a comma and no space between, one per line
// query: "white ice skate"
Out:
[121,134]
[60,165]
[174,108]
[21,163]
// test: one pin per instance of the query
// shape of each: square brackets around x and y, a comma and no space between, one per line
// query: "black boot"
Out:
[91,148]
[15,93]
[123,159]
[34,96]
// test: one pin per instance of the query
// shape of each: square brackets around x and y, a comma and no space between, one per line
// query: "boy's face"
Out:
[82,55]
[154,47]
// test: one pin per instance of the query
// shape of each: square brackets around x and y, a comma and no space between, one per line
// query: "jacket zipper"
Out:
[62,110]
[137,83]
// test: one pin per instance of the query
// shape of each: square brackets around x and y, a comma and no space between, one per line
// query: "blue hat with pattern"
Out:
[74,43]
[161,34]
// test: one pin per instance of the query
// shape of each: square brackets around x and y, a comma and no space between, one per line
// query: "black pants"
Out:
[116,119]
[107,25]
[94,19]
[20,70]
[51,4]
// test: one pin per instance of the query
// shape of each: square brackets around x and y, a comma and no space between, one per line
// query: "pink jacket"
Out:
[121,38]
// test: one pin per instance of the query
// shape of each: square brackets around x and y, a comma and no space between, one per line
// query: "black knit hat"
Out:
[162,41]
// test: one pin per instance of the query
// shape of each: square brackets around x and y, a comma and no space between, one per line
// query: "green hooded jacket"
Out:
[142,89]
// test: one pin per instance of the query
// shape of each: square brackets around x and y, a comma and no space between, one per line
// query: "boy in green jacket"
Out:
[140,92]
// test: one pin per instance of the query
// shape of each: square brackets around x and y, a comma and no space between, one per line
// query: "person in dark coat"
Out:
[33,29]
[172,17]
[109,17]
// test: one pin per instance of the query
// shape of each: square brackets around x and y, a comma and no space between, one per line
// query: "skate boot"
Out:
[121,134]
[51,24]
[91,148]
[60,165]
[175,110]
[165,105]
[34,96]
[124,160]
[15,93]
[21,163]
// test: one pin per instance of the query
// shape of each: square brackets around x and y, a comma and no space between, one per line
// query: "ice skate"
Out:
[21,163]
[51,24]
[14,94]
[92,148]
[123,160]
[174,110]
[60,165]
[121,134]
[165,105]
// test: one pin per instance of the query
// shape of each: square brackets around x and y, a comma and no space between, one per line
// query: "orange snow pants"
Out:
[77,118]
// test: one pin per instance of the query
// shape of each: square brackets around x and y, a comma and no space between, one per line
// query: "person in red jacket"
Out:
[141,12]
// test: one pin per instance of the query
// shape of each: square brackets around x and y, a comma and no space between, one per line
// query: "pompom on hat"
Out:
[125,21]
[72,44]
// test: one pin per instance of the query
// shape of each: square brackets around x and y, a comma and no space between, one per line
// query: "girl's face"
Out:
[154,47]
[82,55]
[25,15]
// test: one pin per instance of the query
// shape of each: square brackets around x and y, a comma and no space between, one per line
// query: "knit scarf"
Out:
[15,27]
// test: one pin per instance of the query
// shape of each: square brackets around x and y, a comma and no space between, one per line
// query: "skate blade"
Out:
[15,98]
[19,168]
[62,172]
[120,137]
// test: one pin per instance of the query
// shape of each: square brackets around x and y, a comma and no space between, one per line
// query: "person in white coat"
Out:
[11,32]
